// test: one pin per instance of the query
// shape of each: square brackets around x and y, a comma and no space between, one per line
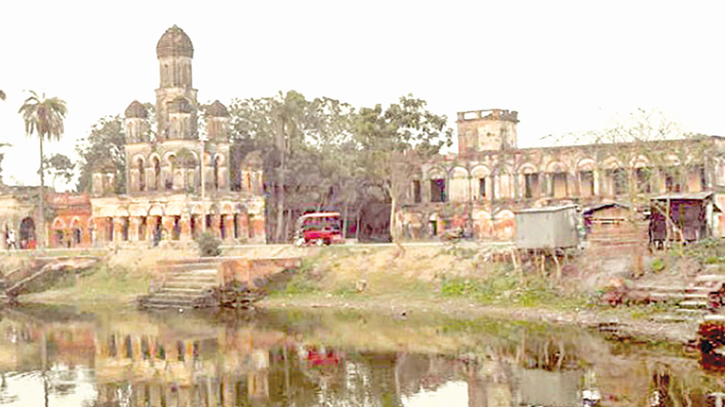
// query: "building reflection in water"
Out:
[172,360]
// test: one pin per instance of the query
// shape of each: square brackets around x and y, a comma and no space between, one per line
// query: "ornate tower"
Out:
[486,130]
[136,122]
[176,105]
[217,117]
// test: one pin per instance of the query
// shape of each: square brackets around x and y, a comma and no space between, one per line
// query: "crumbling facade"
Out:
[177,185]
[479,189]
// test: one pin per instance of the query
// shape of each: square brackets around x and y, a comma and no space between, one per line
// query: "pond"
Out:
[60,357]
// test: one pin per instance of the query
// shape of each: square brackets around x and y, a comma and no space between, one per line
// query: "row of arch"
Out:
[485,225]
[154,223]
[157,174]
[609,178]
[554,166]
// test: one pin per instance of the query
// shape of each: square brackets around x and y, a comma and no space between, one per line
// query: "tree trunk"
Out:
[394,228]
[40,232]
[357,226]
[344,222]
[281,144]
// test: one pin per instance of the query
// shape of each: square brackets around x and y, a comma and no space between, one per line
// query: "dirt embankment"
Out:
[456,280]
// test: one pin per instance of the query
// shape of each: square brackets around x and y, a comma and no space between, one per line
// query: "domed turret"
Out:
[174,43]
[136,111]
[217,109]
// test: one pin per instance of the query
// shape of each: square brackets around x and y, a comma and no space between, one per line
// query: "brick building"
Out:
[167,191]
[176,184]
[479,189]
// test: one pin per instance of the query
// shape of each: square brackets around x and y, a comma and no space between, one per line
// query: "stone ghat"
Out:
[207,282]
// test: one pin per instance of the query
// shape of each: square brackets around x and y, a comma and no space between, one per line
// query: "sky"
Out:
[565,66]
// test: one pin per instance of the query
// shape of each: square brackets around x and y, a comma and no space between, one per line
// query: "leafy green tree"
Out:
[105,142]
[393,140]
[298,140]
[44,118]
[61,167]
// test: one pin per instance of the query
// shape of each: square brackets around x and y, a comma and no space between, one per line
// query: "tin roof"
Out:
[547,209]
[683,196]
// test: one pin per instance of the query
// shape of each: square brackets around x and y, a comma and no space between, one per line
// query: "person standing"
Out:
[11,239]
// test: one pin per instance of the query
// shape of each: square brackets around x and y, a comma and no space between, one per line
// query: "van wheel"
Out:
[299,242]
[327,242]
[319,242]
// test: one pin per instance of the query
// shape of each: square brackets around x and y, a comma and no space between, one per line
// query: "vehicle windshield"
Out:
[320,223]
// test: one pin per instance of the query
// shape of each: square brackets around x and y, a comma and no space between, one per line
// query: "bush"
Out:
[209,245]
[658,265]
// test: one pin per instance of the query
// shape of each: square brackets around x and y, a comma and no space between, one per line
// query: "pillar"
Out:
[167,224]
[243,221]
[215,225]
[229,226]
[117,228]
[227,390]
[185,227]
[151,222]
[134,229]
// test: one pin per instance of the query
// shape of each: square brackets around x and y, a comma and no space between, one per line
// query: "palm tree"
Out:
[44,118]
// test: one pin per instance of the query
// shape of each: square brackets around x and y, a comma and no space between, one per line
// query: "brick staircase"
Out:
[213,282]
[186,284]
[691,299]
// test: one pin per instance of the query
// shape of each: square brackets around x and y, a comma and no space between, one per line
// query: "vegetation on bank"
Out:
[458,275]
[432,273]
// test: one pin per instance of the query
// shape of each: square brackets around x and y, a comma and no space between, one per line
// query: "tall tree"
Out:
[61,167]
[392,139]
[44,118]
[105,143]
[298,140]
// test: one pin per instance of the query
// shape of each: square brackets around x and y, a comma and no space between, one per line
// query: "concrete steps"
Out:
[192,288]
[692,299]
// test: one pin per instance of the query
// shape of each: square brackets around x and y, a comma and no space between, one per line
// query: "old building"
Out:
[173,189]
[479,189]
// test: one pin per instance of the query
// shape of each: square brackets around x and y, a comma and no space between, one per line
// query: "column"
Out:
[229,226]
[595,175]
[151,223]
[167,224]
[185,228]
[134,228]
[215,225]
[243,226]
[117,228]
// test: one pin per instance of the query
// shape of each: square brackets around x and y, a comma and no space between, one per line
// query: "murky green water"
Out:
[58,357]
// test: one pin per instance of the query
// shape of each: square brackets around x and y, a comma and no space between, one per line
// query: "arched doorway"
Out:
[27,234]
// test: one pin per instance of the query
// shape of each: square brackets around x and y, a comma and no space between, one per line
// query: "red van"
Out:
[320,228]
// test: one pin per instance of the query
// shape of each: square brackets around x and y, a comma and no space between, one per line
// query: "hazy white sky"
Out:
[563,65]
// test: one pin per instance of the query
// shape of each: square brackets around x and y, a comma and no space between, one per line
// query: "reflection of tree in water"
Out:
[5,396]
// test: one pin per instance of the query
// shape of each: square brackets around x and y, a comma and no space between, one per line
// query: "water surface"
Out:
[60,357]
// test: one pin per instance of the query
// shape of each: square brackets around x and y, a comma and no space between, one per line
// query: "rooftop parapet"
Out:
[489,114]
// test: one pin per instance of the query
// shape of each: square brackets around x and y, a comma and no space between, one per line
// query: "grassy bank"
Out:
[422,273]
[457,280]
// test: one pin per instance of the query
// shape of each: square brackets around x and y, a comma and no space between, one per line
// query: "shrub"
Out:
[209,245]
[658,265]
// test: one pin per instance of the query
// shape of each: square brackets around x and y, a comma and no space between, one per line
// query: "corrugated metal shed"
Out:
[547,228]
